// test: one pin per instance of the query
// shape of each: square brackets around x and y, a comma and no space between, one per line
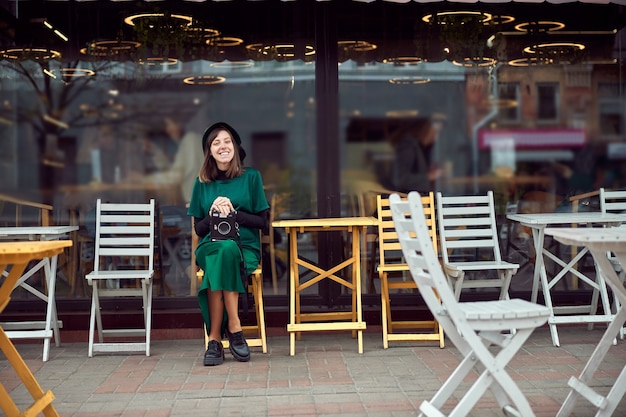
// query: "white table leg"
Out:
[52,324]
[541,274]
[538,243]
[592,365]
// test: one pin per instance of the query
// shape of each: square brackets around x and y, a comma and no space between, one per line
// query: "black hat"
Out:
[233,134]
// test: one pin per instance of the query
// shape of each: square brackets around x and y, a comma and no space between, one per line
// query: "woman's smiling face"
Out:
[223,149]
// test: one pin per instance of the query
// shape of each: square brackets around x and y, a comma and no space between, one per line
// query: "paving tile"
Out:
[326,377]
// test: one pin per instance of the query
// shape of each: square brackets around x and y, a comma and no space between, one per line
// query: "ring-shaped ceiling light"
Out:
[357,46]
[152,61]
[557,47]
[541,26]
[286,50]
[415,80]
[204,80]
[76,72]
[475,62]
[184,20]
[109,47]
[35,54]
[224,41]
[232,64]
[460,14]
[403,60]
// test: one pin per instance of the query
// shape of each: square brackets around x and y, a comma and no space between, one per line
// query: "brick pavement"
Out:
[327,377]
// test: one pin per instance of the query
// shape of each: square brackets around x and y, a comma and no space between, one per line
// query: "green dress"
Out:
[221,260]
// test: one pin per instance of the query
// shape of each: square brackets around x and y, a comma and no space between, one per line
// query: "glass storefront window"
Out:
[510,113]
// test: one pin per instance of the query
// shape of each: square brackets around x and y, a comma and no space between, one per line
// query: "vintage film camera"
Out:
[224,226]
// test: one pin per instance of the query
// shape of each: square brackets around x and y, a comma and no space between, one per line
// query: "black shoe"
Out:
[214,354]
[238,346]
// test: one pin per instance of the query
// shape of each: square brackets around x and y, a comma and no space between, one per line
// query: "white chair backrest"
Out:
[467,222]
[124,231]
[418,250]
[613,201]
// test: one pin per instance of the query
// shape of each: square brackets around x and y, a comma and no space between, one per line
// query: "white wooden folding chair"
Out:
[123,267]
[614,201]
[392,271]
[481,330]
[468,224]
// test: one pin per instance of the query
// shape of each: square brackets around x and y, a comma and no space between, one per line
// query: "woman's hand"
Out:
[222,205]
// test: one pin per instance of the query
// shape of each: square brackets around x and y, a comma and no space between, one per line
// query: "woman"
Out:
[225,186]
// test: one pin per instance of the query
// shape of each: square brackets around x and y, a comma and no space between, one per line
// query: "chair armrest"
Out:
[584,195]
[576,199]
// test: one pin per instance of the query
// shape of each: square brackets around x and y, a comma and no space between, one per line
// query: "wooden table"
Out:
[50,327]
[570,314]
[14,257]
[325,320]
[599,241]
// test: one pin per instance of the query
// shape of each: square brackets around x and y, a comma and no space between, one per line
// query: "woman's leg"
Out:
[238,346]
[231,301]
[216,313]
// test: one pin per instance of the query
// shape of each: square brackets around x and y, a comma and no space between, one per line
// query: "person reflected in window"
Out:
[187,160]
[413,169]
[104,155]
[225,186]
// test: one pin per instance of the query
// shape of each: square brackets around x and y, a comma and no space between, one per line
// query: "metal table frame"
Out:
[50,327]
[569,314]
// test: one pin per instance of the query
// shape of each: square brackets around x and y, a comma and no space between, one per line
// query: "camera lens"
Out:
[223,228]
